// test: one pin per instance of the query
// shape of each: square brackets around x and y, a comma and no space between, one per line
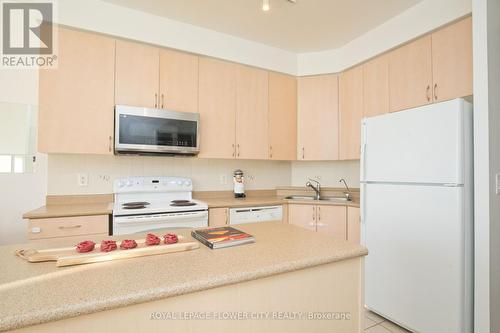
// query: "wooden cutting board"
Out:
[67,256]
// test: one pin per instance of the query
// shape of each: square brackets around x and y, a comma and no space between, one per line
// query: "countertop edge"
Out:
[74,211]
[41,317]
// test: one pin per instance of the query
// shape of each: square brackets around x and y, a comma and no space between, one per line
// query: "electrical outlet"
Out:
[83,179]
[223,179]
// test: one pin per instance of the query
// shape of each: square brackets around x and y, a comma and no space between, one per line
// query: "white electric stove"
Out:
[145,204]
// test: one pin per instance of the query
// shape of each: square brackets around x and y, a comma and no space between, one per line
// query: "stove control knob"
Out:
[129,183]
[120,184]
[187,183]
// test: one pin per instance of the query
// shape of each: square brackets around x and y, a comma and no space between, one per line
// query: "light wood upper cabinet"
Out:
[317,118]
[353,225]
[282,117]
[350,112]
[303,216]
[76,100]
[452,61]
[376,86]
[178,81]
[410,75]
[331,220]
[137,74]
[217,108]
[251,113]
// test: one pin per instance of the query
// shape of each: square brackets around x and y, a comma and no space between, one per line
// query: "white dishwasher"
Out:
[255,214]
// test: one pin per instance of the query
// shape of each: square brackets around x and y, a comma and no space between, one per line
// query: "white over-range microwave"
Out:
[149,131]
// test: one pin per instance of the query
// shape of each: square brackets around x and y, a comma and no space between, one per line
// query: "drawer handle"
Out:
[36,230]
[70,227]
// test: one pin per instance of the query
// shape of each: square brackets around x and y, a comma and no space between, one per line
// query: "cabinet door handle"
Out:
[427,92]
[156,100]
[162,101]
[314,214]
[435,91]
[234,150]
[270,151]
[238,146]
[70,227]
[110,146]
[319,213]
[303,153]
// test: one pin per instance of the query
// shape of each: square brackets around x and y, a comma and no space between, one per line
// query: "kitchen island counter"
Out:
[36,293]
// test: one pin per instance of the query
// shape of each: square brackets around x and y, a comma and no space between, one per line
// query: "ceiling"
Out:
[307,26]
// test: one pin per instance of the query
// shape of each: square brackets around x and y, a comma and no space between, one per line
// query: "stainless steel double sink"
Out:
[312,198]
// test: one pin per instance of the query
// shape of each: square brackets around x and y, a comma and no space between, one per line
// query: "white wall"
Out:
[119,21]
[20,193]
[206,173]
[486,27]
[328,173]
[103,17]
[418,20]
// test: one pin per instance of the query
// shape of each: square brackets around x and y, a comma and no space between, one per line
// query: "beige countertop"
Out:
[105,208]
[68,210]
[34,293]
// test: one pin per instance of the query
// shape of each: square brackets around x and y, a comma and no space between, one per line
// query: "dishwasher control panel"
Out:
[255,214]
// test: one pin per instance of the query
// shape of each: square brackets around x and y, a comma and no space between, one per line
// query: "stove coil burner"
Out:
[135,205]
[178,203]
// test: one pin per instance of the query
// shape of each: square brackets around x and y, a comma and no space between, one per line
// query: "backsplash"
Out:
[207,174]
[328,173]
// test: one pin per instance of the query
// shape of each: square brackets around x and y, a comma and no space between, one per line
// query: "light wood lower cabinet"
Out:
[303,216]
[353,225]
[330,220]
[76,99]
[318,118]
[282,117]
[218,217]
[60,227]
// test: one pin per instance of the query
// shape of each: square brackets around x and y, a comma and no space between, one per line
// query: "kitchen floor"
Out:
[376,324]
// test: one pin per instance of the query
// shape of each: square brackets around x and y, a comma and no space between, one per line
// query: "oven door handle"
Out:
[160,218]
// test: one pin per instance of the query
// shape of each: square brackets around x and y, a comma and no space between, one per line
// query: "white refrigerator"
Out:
[417,216]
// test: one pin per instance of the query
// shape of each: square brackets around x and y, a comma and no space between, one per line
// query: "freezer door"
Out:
[423,145]
[418,270]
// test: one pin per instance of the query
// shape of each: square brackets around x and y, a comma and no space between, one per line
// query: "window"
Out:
[5,163]
[17,137]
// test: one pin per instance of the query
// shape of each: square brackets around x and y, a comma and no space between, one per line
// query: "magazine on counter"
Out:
[216,238]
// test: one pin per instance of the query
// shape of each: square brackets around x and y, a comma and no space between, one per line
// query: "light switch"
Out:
[497,177]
